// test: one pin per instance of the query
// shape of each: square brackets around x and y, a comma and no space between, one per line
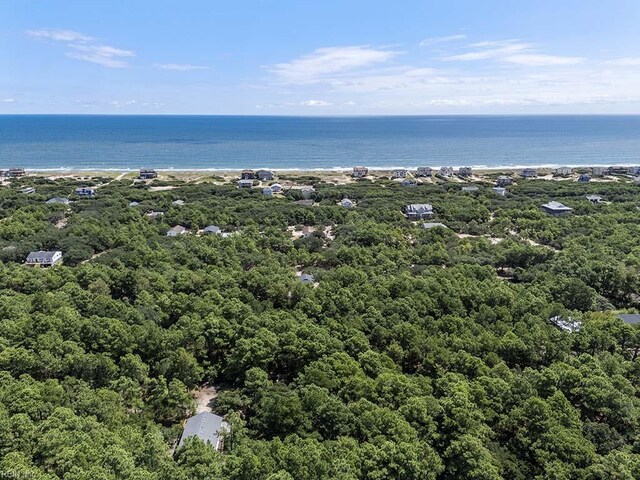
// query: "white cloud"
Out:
[84,47]
[122,103]
[60,35]
[539,60]
[434,40]
[512,51]
[315,103]
[8,100]
[319,64]
[624,62]
[178,66]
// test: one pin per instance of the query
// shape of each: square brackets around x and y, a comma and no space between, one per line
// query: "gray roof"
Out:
[419,208]
[212,229]
[557,207]
[206,426]
[631,318]
[306,278]
[58,200]
[42,256]
[429,225]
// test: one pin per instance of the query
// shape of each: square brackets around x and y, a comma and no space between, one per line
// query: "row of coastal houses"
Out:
[361,172]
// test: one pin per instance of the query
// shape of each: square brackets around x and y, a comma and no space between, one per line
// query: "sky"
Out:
[320,57]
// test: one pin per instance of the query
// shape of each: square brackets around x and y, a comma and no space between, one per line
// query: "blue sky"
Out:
[312,57]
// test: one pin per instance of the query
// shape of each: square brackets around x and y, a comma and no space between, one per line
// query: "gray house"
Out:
[419,210]
[424,172]
[208,427]
[465,171]
[245,183]
[86,191]
[430,225]
[556,208]
[264,175]
[147,174]
[212,229]
[44,258]
[359,172]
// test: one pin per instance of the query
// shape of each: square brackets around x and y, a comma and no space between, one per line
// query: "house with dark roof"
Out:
[359,172]
[85,191]
[44,258]
[206,426]
[264,175]
[465,172]
[446,171]
[276,188]
[584,178]
[15,172]
[247,175]
[503,181]
[399,173]
[147,174]
[424,172]
[529,173]
[563,171]
[556,208]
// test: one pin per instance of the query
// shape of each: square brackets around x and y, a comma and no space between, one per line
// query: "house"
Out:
[529,173]
[556,208]
[44,258]
[616,170]
[208,427]
[503,181]
[306,278]
[360,172]
[424,172]
[276,188]
[346,203]
[500,191]
[419,210]
[178,203]
[598,171]
[633,171]
[409,182]
[247,175]
[307,231]
[15,172]
[267,192]
[400,173]
[153,214]
[245,183]
[134,204]
[470,188]
[430,225]
[64,201]
[564,171]
[147,174]
[85,191]
[308,192]
[264,175]
[584,178]
[630,318]
[446,171]
[568,324]
[212,230]
[27,190]
[177,230]
[594,198]
[465,172]
[306,203]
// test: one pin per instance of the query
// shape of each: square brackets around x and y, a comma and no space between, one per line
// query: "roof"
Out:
[594,197]
[58,200]
[206,426]
[177,229]
[631,318]
[419,207]
[178,202]
[212,229]
[43,256]
[429,225]
[557,207]
[306,278]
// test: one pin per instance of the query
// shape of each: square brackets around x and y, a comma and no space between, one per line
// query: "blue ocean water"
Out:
[234,142]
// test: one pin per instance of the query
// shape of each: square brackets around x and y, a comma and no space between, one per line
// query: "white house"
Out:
[267,192]
[598,171]
[212,230]
[500,191]
[594,198]
[43,258]
[245,183]
[62,200]
[564,171]
[470,188]
[346,203]
[177,230]
[556,208]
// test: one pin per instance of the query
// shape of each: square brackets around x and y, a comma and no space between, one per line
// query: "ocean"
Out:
[111,142]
